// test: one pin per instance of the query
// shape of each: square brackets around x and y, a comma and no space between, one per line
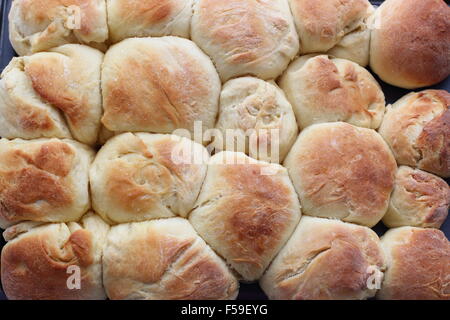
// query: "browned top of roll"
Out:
[418,264]
[411,42]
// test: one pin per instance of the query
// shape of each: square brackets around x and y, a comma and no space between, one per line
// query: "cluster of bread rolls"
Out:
[101,178]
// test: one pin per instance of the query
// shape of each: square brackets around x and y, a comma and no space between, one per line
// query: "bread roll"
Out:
[419,199]
[338,27]
[43,180]
[246,211]
[257,113]
[341,171]
[158,85]
[246,37]
[418,265]
[326,260]
[325,89]
[52,94]
[38,25]
[144,176]
[54,261]
[410,42]
[164,260]
[417,128]
[155,18]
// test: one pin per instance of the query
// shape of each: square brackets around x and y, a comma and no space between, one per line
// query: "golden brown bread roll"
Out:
[326,260]
[417,128]
[246,37]
[158,85]
[164,260]
[251,105]
[38,25]
[38,262]
[338,27]
[419,199]
[410,42]
[43,180]
[149,18]
[143,176]
[52,94]
[418,265]
[324,89]
[246,211]
[342,171]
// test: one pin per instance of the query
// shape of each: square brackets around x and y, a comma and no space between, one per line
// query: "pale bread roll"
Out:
[419,199]
[343,172]
[326,260]
[42,262]
[52,94]
[43,180]
[164,260]
[418,265]
[144,176]
[149,18]
[246,211]
[246,37]
[158,85]
[417,128]
[256,118]
[325,89]
[340,28]
[38,25]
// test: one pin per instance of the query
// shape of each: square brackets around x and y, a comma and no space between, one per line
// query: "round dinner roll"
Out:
[158,85]
[54,261]
[417,128]
[341,171]
[326,89]
[38,25]
[142,176]
[419,199]
[164,260]
[246,211]
[338,27]
[256,118]
[410,42]
[149,18]
[52,94]
[326,260]
[43,180]
[418,265]
[246,37]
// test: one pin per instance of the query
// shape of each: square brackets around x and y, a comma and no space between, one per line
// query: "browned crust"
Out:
[419,199]
[247,216]
[430,148]
[435,190]
[48,81]
[420,267]
[170,268]
[341,164]
[326,21]
[154,97]
[325,260]
[340,272]
[33,268]
[258,214]
[341,93]
[434,142]
[31,177]
[410,47]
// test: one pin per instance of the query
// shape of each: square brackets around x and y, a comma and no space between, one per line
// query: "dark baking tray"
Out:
[247,291]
